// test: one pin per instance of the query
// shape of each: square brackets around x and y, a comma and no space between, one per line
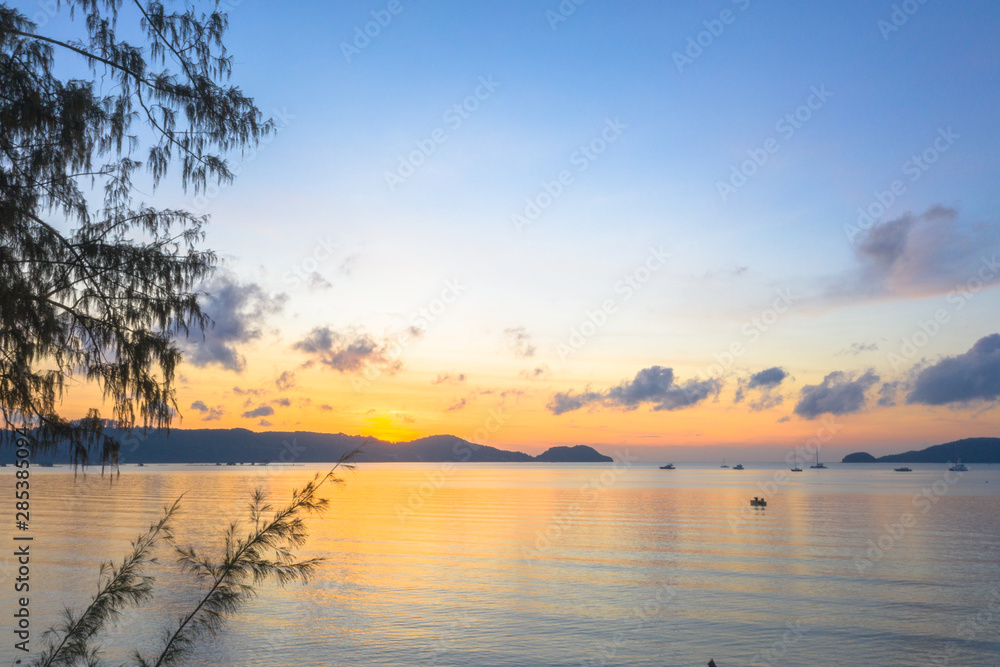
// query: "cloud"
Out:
[537,373]
[448,378]
[519,341]
[858,348]
[887,394]
[456,406]
[351,351]
[838,394]
[247,392]
[967,378]
[208,414]
[239,311]
[767,378]
[326,407]
[284,402]
[922,255]
[262,411]
[654,385]
[264,422]
[285,381]
[765,387]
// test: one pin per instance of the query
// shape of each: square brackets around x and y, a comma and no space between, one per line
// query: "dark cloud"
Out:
[448,378]
[285,381]
[967,378]
[348,352]
[770,377]
[262,411]
[887,394]
[264,422]
[456,406]
[568,401]
[239,311]
[519,341]
[208,414]
[764,387]
[654,385]
[284,402]
[921,255]
[838,394]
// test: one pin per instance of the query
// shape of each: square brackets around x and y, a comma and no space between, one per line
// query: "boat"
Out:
[723,463]
[818,464]
[758,502]
[669,466]
[142,465]
[796,468]
[958,467]
[738,466]
[903,469]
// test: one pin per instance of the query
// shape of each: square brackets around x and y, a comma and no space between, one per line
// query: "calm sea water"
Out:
[563,564]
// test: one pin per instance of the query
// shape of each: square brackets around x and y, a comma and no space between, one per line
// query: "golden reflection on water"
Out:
[535,564]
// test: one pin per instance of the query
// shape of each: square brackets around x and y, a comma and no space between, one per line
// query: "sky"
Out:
[694,229]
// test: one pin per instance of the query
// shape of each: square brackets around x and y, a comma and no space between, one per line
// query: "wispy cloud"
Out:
[519,341]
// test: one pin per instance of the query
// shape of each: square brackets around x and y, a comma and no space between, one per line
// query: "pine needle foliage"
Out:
[94,281]
[257,551]
[121,586]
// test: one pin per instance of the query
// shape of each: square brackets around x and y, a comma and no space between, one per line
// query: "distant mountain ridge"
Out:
[968,450]
[240,445]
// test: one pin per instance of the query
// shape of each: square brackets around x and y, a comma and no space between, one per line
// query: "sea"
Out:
[549,564]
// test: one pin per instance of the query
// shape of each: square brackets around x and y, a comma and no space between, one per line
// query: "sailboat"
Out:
[723,463]
[818,464]
[795,467]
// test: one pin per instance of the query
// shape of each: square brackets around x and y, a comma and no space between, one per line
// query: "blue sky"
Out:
[671,135]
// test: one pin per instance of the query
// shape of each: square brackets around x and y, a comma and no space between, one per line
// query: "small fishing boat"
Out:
[758,502]
[904,469]
[958,467]
[669,466]
[738,466]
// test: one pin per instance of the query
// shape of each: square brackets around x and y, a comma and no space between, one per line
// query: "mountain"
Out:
[240,445]
[969,450]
